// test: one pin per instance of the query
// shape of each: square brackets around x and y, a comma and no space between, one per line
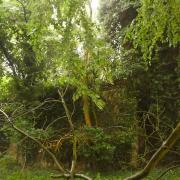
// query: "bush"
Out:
[7,162]
[95,147]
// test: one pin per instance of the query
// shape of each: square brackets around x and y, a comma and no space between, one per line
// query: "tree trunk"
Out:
[87,117]
[134,155]
[160,153]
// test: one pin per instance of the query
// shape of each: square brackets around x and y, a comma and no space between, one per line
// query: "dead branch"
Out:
[35,140]
[37,107]
[160,153]
[66,110]
[80,176]
[66,174]
[69,118]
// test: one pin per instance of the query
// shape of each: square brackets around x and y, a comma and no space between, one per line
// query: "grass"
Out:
[24,175]
[34,174]
[171,175]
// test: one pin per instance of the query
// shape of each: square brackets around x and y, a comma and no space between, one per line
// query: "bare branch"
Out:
[81,176]
[67,174]
[37,107]
[50,124]
[66,110]
[69,116]
[173,167]
[35,140]
[160,153]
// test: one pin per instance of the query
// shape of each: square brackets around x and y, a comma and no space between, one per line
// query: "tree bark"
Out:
[160,153]
[87,117]
[74,158]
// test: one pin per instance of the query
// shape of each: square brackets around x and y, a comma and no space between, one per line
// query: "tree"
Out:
[149,66]
[81,54]
[150,33]
[47,45]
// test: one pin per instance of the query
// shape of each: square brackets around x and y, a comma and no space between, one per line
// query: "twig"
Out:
[35,140]
[37,107]
[66,110]
[159,154]
[173,167]
[120,127]
[50,124]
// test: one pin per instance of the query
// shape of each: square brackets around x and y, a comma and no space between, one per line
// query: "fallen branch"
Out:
[66,173]
[160,153]
[80,176]
[35,140]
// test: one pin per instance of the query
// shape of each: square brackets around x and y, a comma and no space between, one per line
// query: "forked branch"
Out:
[65,173]
[35,140]
[160,153]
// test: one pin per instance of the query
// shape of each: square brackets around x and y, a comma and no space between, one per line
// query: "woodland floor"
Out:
[19,174]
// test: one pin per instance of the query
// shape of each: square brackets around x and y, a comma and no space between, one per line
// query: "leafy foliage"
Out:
[96,146]
[126,66]
[157,23]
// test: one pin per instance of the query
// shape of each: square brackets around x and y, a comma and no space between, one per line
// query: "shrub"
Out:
[95,147]
[7,162]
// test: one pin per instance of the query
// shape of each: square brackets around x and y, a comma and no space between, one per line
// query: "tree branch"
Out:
[173,167]
[9,58]
[66,110]
[66,174]
[35,140]
[160,153]
[24,10]
[81,176]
